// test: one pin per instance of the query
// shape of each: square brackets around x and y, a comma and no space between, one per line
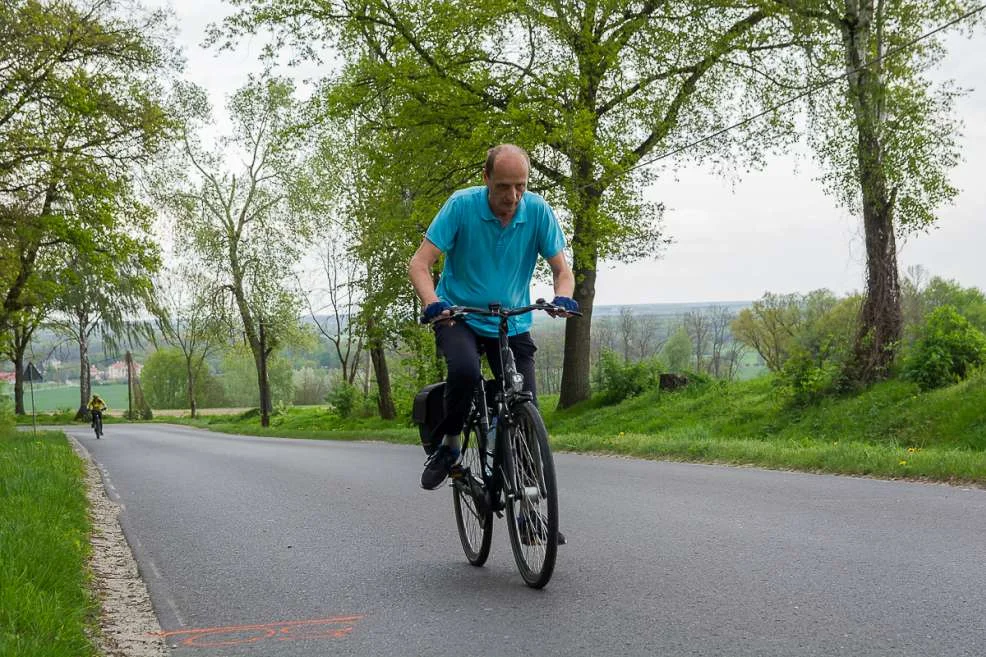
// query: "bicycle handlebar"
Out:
[457,312]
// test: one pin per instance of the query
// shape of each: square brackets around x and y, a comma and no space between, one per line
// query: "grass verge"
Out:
[46,609]
[890,430]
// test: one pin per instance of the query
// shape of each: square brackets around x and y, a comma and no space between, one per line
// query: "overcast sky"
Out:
[773,230]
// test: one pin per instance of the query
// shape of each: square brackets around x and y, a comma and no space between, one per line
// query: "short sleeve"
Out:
[551,240]
[444,226]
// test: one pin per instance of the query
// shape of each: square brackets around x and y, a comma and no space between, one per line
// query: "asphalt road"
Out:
[278,548]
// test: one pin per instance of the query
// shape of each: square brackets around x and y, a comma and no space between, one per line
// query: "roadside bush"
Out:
[946,351]
[806,380]
[345,398]
[616,380]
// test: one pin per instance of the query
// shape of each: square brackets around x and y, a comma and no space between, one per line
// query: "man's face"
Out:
[507,184]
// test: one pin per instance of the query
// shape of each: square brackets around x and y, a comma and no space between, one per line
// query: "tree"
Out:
[22,327]
[768,326]
[104,297]
[81,108]
[165,381]
[186,319]
[887,137]
[719,320]
[250,225]
[341,327]
[239,371]
[627,327]
[698,325]
[677,350]
[970,302]
[595,88]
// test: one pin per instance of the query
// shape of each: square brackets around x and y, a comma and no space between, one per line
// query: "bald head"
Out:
[510,151]
[505,174]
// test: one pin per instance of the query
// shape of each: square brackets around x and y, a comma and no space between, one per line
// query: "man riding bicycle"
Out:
[96,407]
[491,236]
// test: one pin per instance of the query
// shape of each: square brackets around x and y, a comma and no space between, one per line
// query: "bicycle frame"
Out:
[519,481]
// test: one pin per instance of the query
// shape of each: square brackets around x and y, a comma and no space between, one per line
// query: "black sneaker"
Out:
[438,466]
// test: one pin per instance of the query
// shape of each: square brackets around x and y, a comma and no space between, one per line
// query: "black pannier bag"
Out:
[428,411]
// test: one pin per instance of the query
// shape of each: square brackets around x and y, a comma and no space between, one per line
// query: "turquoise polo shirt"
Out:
[486,263]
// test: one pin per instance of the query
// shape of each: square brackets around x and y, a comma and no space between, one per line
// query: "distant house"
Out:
[7,377]
[118,370]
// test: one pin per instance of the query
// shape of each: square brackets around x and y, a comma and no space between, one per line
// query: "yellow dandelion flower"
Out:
[911,450]
[902,463]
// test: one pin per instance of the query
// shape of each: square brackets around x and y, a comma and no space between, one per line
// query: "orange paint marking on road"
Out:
[236,635]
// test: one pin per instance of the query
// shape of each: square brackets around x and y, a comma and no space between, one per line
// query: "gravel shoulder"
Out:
[127,624]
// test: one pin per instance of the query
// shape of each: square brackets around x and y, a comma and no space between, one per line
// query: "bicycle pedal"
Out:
[457,471]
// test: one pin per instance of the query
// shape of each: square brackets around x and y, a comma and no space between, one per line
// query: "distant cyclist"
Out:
[491,236]
[96,407]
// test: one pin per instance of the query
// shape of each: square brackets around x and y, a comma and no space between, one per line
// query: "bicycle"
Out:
[97,423]
[517,475]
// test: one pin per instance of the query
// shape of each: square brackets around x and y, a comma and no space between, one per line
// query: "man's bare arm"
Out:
[419,271]
[564,279]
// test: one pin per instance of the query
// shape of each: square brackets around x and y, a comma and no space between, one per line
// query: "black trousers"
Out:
[462,348]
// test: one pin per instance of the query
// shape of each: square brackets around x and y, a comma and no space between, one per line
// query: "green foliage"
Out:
[920,298]
[310,386]
[677,351]
[82,109]
[45,602]
[617,380]
[344,398]
[239,378]
[948,349]
[806,380]
[165,382]
[806,338]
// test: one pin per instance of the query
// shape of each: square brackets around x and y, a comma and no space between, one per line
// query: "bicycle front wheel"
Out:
[532,496]
[473,515]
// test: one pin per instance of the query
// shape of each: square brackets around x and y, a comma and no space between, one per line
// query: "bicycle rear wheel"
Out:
[473,516]
[532,496]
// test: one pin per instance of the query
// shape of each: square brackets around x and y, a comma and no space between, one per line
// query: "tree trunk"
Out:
[18,360]
[263,380]
[85,380]
[578,340]
[880,317]
[191,387]
[576,364]
[385,400]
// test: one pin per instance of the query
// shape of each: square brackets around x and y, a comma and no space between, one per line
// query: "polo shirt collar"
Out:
[520,216]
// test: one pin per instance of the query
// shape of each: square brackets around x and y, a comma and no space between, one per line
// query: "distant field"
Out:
[52,397]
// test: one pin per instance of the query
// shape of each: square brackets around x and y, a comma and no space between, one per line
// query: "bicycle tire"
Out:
[473,519]
[529,473]
[98,426]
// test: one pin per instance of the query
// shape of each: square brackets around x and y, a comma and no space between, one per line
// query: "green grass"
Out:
[316,422]
[50,397]
[46,609]
[890,430]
